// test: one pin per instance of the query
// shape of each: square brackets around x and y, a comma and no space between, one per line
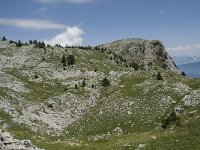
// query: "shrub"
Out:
[171,119]
[93,86]
[105,82]
[4,38]
[36,75]
[84,83]
[70,60]
[183,74]
[39,44]
[63,59]
[159,77]
[19,44]
[135,66]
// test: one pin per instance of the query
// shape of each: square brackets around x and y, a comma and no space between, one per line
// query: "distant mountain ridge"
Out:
[191,69]
[181,60]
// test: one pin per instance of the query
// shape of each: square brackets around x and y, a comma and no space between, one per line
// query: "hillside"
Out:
[101,97]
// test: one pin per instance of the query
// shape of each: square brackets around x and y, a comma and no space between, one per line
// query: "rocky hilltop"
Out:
[149,54]
[125,94]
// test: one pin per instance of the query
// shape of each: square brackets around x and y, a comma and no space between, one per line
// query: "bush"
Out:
[183,74]
[84,83]
[4,38]
[19,44]
[36,76]
[70,60]
[30,42]
[135,66]
[171,119]
[39,44]
[63,59]
[93,86]
[105,82]
[159,77]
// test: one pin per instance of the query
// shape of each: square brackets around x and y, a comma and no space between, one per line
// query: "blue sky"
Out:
[175,22]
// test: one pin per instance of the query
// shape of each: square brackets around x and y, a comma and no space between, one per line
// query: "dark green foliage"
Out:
[39,44]
[95,70]
[65,89]
[93,86]
[63,59]
[165,66]
[43,58]
[64,64]
[11,41]
[30,42]
[36,75]
[171,119]
[58,45]
[183,74]
[76,86]
[159,77]
[97,48]
[70,60]
[134,65]
[4,38]
[35,42]
[19,44]
[156,43]
[105,82]
[84,83]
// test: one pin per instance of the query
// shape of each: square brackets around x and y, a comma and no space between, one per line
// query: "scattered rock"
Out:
[7,142]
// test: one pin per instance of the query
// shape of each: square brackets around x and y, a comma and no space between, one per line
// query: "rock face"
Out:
[148,54]
[7,142]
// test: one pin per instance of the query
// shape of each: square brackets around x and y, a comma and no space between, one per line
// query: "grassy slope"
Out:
[129,89]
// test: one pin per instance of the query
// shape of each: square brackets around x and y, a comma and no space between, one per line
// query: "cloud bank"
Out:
[189,50]
[32,23]
[71,36]
[69,1]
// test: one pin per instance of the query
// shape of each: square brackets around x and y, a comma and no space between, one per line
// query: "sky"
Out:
[89,22]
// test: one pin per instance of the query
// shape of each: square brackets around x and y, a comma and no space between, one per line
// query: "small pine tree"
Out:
[105,82]
[4,38]
[171,119]
[65,89]
[36,75]
[84,83]
[63,59]
[30,42]
[159,77]
[93,86]
[35,42]
[19,44]
[71,60]
[183,74]
[134,65]
[43,58]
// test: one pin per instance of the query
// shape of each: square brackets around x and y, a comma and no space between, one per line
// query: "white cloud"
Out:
[69,1]
[32,23]
[71,36]
[189,50]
